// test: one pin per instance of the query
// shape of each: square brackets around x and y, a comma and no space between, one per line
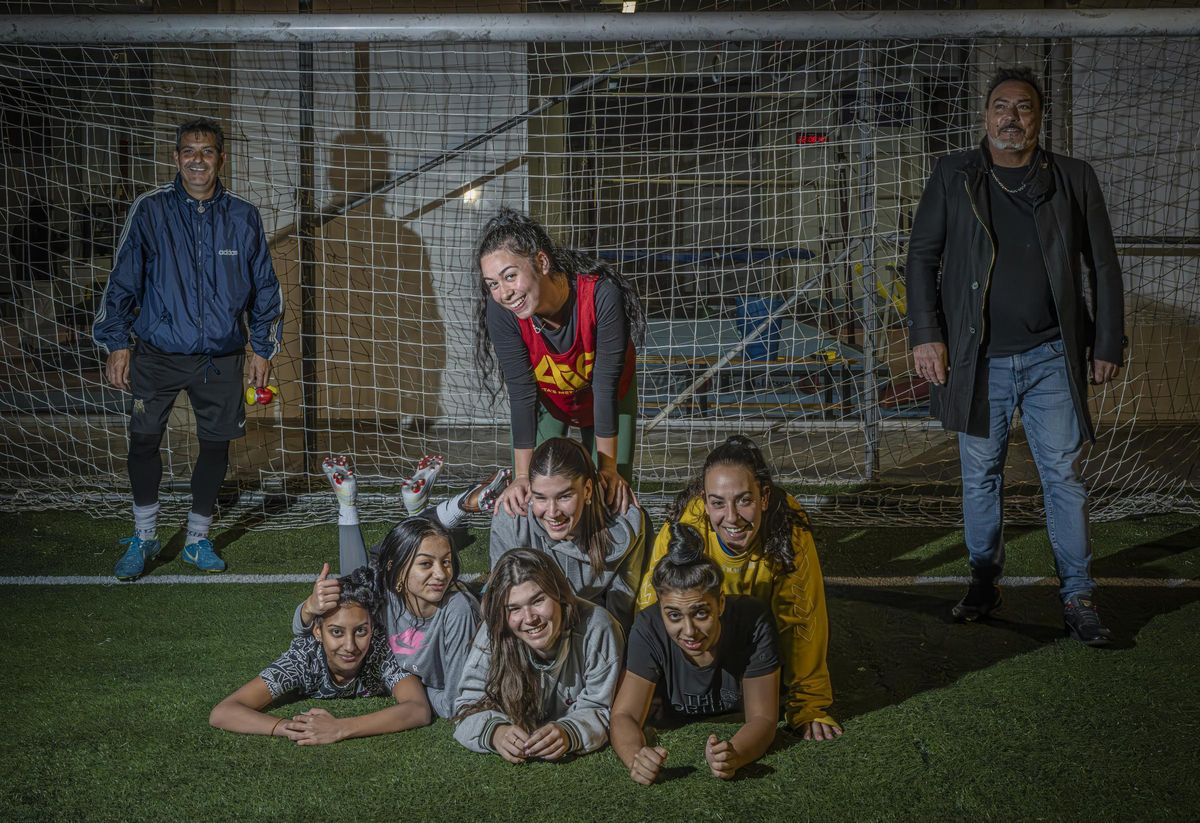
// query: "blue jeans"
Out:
[1037,383]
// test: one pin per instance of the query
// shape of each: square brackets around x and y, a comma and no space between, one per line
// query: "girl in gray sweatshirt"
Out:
[543,669]
[602,554]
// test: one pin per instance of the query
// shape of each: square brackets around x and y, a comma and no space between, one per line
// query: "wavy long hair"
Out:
[399,548]
[522,235]
[775,533]
[564,457]
[513,686]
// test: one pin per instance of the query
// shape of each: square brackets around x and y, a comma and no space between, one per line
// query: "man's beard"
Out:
[1010,144]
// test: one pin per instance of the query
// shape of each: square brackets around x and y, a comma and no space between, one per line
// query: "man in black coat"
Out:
[1007,240]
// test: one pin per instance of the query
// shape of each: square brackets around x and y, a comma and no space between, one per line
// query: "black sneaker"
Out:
[1082,620]
[982,598]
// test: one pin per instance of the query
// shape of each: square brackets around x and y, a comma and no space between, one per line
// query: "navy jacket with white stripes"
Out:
[198,274]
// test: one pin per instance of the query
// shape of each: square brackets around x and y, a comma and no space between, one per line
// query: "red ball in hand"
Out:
[261,396]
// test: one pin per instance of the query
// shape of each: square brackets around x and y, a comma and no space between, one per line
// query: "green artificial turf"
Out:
[109,689]
[1162,546]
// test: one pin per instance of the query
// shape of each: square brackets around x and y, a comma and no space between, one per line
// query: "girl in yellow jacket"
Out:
[761,539]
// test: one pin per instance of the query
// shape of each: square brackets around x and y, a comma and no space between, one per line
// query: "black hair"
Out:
[775,533]
[1024,74]
[685,566]
[201,125]
[357,589]
[522,235]
[399,547]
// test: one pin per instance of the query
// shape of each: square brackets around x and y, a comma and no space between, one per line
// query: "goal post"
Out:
[754,174]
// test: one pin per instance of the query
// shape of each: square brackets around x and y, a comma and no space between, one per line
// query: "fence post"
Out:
[306,206]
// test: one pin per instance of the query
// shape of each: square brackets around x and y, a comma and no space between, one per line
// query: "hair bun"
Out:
[686,545]
[741,441]
[686,566]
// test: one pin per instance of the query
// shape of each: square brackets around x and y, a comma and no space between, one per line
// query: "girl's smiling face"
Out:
[735,503]
[515,281]
[534,617]
[429,575]
[345,635]
[558,503]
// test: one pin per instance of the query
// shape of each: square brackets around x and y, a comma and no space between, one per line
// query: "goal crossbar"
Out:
[615,28]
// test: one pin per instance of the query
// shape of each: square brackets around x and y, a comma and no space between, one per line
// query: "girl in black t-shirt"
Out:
[712,654]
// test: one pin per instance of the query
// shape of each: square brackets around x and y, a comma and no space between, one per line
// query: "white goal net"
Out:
[759,194]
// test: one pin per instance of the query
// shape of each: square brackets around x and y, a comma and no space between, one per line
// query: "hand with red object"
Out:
[261,395]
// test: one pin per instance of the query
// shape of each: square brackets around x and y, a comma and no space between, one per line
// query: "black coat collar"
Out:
[1040,188]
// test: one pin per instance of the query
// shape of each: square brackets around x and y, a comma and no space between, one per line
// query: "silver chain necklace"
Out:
[1024,182]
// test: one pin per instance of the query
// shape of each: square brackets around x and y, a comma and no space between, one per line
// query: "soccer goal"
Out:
[755,175]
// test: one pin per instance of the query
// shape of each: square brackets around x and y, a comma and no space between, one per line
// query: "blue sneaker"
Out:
[201,555]
[133,562]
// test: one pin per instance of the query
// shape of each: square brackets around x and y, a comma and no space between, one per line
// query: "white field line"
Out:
[846,582]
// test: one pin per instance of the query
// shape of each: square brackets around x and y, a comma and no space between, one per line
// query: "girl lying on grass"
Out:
[427,615]
[602,554]
[543,669]
[760,538]
[343,657]
[709,653]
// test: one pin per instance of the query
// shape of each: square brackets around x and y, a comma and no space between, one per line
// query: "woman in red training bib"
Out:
[562,326]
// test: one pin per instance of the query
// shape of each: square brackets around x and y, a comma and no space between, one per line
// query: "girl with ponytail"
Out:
[563,327]
[602,553]
[711,653]
[760,538]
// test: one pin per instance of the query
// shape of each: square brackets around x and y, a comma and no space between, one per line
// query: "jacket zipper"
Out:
[199,275]
[987,283]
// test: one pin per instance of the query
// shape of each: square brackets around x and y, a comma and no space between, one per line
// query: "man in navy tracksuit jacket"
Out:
[193,262]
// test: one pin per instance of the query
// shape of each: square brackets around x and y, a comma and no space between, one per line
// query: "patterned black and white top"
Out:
[303,669]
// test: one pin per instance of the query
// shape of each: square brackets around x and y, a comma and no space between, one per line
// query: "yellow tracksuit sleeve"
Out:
[798,604]
[646,596]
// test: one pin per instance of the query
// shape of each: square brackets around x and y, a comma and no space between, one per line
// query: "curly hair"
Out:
[357,589]
[775,533]
[522,235]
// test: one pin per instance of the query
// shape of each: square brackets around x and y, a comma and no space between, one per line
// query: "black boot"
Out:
[982,598]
